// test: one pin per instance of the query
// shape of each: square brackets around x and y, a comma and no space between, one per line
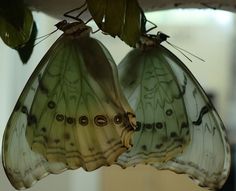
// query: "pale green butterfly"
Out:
[70,114]
[176,121]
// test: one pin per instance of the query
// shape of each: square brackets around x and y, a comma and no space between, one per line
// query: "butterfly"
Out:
[178,128]
[70,114]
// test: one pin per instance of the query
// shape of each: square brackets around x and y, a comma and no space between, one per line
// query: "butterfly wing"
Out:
[156,97]
[23,167]
[70,114]
[207,157]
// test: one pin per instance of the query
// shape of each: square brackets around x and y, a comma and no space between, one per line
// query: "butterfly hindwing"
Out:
[23,166]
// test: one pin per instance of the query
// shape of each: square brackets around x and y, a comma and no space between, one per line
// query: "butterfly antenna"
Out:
[83,7]
[181,50]
[40,40]
[44,37]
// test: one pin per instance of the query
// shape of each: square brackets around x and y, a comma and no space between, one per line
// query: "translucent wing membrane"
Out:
[207,157]
[157,99]
[70,114]
[176,121]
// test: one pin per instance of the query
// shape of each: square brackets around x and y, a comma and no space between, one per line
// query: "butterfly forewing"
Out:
[156,97]
[70,114]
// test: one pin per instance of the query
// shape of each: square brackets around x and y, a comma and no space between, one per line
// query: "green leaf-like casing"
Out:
[118,18]
[16,34]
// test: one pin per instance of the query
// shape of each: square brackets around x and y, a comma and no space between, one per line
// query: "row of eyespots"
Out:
[158,125]
[99,120]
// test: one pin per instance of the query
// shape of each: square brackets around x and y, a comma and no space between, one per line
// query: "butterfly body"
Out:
[70,114]
[205,156]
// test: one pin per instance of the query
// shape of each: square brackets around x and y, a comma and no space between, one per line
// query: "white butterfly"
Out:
[70,114]
[178,127]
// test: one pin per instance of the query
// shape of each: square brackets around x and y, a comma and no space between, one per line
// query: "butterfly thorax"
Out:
[148,41]
[75,29]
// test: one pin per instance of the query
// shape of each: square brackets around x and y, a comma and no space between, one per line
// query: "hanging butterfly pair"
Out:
[72,113]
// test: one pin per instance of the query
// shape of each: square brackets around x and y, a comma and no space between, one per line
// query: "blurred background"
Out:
[209,34]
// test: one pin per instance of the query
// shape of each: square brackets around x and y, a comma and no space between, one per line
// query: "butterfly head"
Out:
[76,29]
